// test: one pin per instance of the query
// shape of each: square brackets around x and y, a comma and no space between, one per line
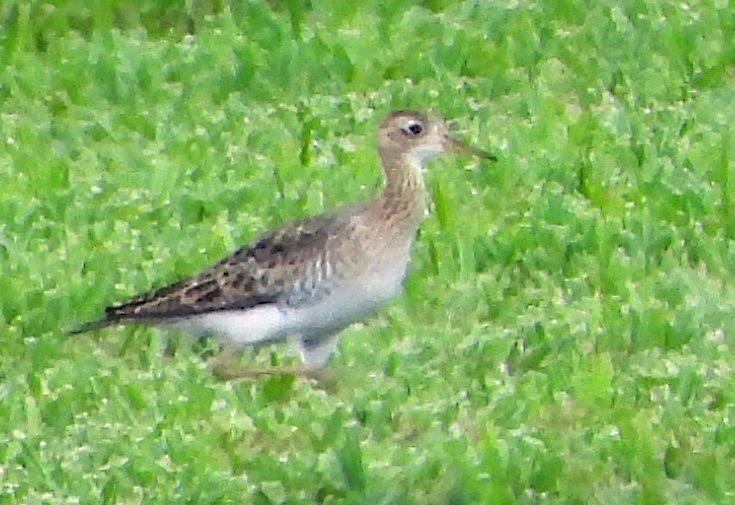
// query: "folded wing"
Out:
[286,266]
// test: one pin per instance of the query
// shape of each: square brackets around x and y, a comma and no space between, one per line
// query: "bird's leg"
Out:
[226,366]
[226,370]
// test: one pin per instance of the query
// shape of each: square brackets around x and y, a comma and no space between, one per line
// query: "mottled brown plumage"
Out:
[310,278]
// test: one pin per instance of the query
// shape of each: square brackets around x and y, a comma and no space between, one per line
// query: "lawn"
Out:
[567,332]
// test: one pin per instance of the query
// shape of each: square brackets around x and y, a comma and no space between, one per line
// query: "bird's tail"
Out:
[91,325]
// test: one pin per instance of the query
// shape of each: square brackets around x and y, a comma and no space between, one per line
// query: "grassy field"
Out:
[567,334]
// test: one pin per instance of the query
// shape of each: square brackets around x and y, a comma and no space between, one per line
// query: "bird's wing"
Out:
[285,266]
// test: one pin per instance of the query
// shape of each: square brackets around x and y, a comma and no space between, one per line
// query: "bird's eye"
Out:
[413,129]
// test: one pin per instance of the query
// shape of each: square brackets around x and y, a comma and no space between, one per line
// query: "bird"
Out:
[307,280]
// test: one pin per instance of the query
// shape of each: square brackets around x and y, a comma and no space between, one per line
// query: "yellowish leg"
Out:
[226,366]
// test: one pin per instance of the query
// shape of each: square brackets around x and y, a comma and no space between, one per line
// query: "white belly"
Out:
[259,324]
[349,301]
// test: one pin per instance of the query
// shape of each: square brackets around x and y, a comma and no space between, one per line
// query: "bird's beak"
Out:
[457,146]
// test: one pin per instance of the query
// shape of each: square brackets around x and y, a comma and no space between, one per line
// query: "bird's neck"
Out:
[403,199]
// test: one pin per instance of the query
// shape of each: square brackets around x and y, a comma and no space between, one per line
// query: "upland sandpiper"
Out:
[309,279]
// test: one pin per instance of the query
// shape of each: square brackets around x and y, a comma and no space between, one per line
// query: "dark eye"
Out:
[413,129]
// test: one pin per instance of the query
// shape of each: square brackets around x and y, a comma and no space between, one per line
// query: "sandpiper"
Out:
[309,279]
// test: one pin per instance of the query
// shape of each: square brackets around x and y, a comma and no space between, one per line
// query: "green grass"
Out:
[568,327]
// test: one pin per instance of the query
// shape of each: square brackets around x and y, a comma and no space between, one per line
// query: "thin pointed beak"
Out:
[457,146]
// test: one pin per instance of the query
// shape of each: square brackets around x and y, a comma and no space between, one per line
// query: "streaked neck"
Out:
[403,199]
